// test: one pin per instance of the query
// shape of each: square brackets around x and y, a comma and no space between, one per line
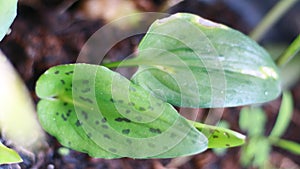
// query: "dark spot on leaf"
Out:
[104,126]
[89,135]
[69,112]
[214,136]
[142,109]
[126,131]
[78,123]
[226,134]
[65,103]
[227,145]
[138,118]
[69,143]
[85,81]
[106,136]
[195,135]
[85,115]
[57,113]
[151,145]
[70,72]
[63,117]
[86,99]
[127,111]
[63,82]
[66,89]
[132,89]
[97,122]
[150,108]
[128,141]
[120,101]
[153,130]
[112,150]
[173,135]
[85,90]
[112,100]
[56,72]
[104,120]
[131,104]
[120,119]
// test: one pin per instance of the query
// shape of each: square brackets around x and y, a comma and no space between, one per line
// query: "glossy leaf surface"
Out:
[91,109]
[192,62]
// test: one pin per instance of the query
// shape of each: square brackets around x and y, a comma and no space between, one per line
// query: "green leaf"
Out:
[8,12]
[284,116]
[288,145]
[219,137]
[8,156]
[192,62]
[91,109]
[253,120]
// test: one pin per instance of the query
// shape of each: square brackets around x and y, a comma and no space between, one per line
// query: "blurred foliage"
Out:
[258,147]
[18,123]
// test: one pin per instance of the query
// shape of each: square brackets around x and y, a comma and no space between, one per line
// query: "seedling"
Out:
[183,60]
[257,149]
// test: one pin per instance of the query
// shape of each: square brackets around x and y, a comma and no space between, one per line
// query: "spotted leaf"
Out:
[94,110]
[219,137]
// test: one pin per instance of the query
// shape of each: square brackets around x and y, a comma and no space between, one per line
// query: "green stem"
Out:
[291,146]
[275,14]
[124,63]
[289,53]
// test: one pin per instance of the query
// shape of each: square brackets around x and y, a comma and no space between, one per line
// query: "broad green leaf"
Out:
[8,12]
[252,120]
[219,137]
[18,121]
[287,145]
[284,116]
[8,156]
[192,62]
[91,109]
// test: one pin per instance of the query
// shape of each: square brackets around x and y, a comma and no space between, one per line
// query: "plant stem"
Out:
[124,63]
[289,53]
[268,21]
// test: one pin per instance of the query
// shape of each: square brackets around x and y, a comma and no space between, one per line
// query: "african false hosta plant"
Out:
[183,60]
